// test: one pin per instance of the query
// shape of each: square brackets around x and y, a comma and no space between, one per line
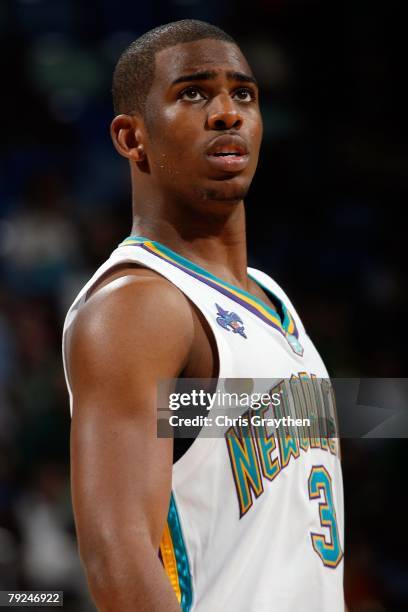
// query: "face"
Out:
[203,122]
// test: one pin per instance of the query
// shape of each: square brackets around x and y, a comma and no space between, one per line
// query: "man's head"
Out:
[134,72]
[188,114]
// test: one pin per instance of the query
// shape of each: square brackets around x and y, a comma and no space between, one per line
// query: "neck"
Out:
[212,236]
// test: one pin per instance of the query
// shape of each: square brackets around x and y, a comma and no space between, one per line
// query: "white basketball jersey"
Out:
[255,523]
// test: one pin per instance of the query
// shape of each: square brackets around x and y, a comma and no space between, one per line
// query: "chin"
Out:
[224,191]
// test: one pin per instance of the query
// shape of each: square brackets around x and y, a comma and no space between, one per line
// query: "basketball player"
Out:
[235,523]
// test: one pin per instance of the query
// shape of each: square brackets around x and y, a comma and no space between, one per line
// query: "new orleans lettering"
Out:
[258,453]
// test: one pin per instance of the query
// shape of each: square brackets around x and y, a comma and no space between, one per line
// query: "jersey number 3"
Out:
[329,550]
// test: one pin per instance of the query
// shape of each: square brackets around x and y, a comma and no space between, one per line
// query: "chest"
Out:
[204,356]
[232,341]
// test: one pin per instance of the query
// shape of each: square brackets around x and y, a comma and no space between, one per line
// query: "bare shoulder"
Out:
[135,316]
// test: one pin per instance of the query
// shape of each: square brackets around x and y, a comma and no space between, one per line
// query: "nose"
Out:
[223,114]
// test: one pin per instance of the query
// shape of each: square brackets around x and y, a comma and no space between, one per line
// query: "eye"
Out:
[244,94]
[192,94]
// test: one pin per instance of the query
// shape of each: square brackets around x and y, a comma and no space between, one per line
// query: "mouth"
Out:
[228,153]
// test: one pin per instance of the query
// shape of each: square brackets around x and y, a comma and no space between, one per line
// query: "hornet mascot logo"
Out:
[230,321]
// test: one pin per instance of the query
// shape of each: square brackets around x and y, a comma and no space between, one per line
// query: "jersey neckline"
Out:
[251,302]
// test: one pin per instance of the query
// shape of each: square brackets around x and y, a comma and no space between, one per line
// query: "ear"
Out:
[127,136]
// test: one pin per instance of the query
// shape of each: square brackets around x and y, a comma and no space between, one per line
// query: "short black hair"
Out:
[134,72]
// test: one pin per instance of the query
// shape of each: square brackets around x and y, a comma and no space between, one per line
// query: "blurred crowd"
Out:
[324,219]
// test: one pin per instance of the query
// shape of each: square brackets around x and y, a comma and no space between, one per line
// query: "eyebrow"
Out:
[209,75]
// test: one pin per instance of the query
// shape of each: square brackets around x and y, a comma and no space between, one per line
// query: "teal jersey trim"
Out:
[183,567]
[195,268]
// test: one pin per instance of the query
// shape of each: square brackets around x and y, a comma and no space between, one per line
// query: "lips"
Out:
[227,145]
[228,153]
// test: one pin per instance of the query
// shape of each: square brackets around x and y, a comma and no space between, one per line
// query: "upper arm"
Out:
[131,333]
